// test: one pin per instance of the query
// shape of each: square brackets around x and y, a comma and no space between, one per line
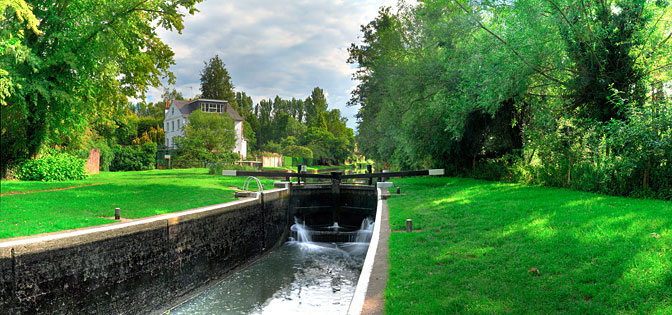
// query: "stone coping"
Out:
[357,302]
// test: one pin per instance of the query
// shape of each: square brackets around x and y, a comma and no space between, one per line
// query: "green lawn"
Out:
[596,254]
[138,194]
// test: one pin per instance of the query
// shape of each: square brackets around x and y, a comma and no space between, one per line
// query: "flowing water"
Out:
[300,277]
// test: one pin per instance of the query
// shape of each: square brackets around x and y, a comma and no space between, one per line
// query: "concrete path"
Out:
[374,302]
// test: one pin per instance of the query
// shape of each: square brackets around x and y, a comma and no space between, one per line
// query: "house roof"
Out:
[186,107]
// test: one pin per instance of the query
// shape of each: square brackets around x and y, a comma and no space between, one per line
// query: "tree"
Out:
[315,104]
[83,57]
[216,82]
[208,137]
[169,95]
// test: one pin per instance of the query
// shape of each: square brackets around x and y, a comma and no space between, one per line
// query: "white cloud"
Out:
[271,48]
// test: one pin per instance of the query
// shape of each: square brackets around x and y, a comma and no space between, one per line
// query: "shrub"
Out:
[53,167]
[134,158]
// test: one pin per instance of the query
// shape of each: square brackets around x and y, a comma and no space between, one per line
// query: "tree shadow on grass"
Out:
[595,254]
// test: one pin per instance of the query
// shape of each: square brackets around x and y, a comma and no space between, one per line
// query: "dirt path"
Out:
[55,189]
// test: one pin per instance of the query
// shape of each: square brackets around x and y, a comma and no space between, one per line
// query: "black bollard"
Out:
[409,225]
[117,214]
[398,190]
[369,169]
[298,171]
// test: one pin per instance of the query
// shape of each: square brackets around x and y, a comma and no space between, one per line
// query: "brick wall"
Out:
[93,163]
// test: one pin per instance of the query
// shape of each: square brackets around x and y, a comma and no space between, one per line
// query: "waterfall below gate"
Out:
[301,276]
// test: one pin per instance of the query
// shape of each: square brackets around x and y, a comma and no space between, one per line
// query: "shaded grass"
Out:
[138,194]
[595,254]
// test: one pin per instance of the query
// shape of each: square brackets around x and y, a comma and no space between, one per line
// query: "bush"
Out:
[106,157]
[134,158]
[53,167]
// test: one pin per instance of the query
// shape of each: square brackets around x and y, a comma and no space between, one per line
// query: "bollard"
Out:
[117,214]
[398,190]
[298,171]
[369,169]
[409,225]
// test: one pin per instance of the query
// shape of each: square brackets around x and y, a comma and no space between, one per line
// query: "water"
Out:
[300,277]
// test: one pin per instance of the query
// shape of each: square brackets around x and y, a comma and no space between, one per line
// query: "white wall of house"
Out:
[173,125]
[241,144]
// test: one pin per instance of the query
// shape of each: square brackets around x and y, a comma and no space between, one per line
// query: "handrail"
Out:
[248,180]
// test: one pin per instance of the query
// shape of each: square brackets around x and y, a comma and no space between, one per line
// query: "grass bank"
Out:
[479,240]
[138,194]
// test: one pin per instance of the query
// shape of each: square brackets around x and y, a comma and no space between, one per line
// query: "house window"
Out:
[173,125]
[212,107]
[167,142]
[172,111]
[203,107]
[178,124]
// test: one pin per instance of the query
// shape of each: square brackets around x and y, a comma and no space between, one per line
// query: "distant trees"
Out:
[302,128]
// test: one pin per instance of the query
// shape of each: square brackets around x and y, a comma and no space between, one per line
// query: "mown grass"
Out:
[138,194]
[478,240]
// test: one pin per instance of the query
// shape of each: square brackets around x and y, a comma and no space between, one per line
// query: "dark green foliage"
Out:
[297,151]
[558,93]
[106,157]
[53,167]
[71,62]
[134,158]
[216,82]
[208,137]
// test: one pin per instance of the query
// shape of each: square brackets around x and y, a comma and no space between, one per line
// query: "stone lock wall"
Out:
[140,266]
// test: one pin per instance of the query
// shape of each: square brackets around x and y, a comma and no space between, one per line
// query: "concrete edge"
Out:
[359,296]
[40,242]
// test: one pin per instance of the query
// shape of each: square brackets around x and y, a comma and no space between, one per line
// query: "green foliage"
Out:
[208,137]
[134,158]
[53,167]
[272,147]
[106,156]
[279,123]
[216,82]
[86,58]
[297,151]
[546,92]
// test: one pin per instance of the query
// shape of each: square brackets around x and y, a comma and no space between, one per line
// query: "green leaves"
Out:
[52,167]
[207,136]
[81,61]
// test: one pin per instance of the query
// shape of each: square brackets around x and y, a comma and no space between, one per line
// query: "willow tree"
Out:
[67,62]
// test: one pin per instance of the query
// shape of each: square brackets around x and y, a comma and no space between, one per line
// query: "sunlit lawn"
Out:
[595,254]
[138,194]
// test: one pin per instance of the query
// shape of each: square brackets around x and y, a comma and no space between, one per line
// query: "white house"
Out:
[177,115]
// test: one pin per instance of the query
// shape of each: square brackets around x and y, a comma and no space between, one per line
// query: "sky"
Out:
[270,48]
